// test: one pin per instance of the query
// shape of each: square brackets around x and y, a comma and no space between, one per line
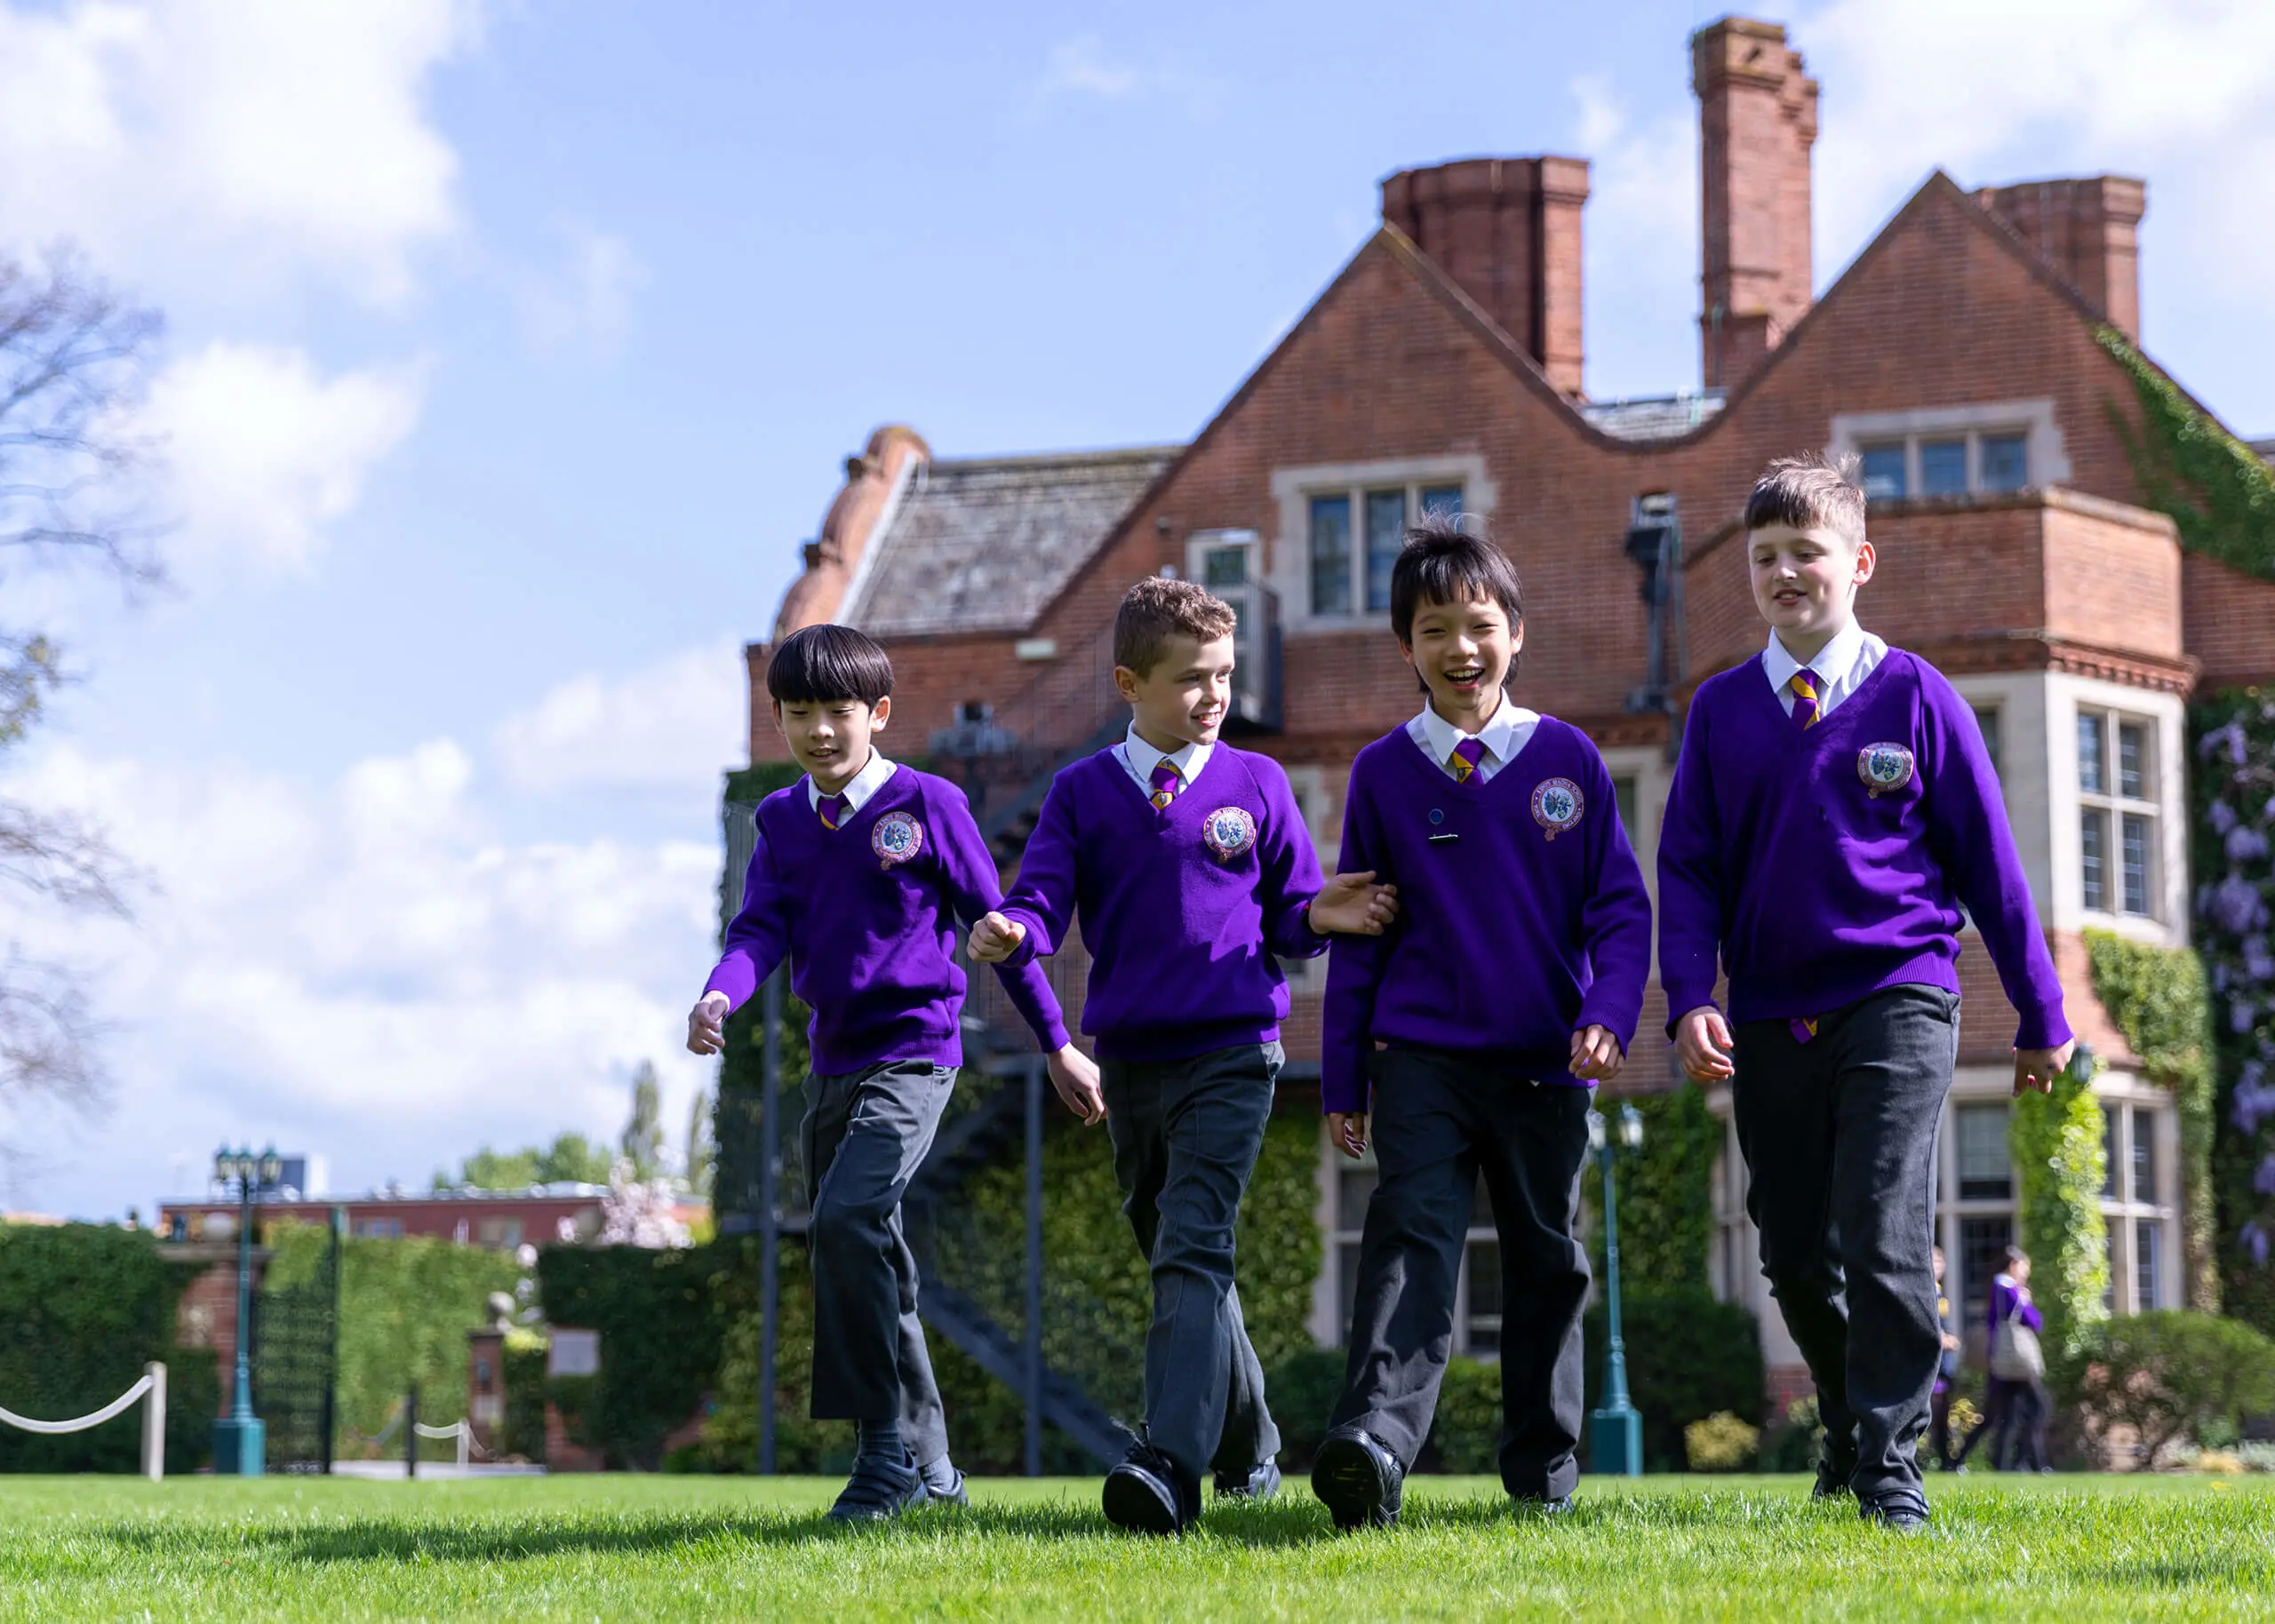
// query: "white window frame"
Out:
[2114,807]
[2046,458]
[2135,1108]
[1326,1293]
[1322,804]
[1289,557]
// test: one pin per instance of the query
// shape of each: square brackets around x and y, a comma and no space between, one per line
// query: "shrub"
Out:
[1687,1356]
[1301,1390]
[524,1361]
[2056,1143]
[1666,1192]
[1721,1443]
[2173,1372]
[1793,1445]
[660,1332]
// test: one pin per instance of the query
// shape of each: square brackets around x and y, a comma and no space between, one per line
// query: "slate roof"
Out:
[984,544]
[1662,416]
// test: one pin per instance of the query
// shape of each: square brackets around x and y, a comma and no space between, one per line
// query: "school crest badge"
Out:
[1885,769]
[1557,805]
[896,839]
[1228,832]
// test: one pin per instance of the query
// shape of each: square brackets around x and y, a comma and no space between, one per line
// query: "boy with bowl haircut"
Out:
[1467,1037]
[1831,811]
[1192,870]
[862,870]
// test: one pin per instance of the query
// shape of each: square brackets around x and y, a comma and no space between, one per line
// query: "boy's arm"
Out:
[1354,969]
[1690,880]
[1041,902]
[758,935]
[1616,921]
[968,869]
[1968,833]
[1290,870]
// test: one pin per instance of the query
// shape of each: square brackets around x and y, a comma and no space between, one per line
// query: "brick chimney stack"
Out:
[1757,120]
[1508,231]
[2089,231]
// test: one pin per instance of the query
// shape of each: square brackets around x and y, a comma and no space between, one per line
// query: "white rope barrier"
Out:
[458,1430]
[153,1385]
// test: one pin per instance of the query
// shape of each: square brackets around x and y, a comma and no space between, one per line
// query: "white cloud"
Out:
[262,452]
[1639,240]
[238,141]
[673,726]
[587,302]
[1083,68]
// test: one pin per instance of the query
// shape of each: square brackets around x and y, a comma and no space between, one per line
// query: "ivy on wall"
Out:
[1667,1195]
[2190,468]
[2056,1143]
[2156,997]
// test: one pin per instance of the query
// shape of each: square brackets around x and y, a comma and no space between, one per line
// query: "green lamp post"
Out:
[239,1439]
[1615,1431]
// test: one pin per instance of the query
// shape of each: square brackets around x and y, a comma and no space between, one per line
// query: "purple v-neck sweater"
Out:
[871,914]
[1187,912]
[1522,914]
[1826,866]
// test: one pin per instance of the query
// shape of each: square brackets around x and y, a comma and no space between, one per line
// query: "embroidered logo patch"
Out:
[1885,769]
[1557,805]
[1228,830]
[896,838]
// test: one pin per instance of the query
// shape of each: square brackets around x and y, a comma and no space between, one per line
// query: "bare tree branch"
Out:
[48,1040]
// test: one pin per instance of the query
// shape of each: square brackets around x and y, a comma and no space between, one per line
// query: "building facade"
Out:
[1971,355]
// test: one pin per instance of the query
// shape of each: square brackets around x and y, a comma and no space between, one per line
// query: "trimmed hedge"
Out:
[1666,1194]
[1689,1357]
[658,1313]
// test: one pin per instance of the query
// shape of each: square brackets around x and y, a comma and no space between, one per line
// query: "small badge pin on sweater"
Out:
[896,839]
[1885,769]
[1557,805]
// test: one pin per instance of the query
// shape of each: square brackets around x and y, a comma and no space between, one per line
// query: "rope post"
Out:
[411,1433]
[466,1444]
[153,1423]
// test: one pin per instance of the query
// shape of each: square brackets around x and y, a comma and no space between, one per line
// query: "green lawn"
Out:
[644,1548]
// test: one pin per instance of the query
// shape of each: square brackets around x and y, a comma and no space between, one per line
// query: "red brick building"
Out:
[1958,353]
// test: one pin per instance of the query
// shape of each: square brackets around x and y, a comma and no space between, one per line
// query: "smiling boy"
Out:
[1466,1037]
[861,872]
[1831,810]
[1192,870]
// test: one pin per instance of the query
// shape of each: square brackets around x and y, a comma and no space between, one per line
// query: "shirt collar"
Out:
[866,783]
[1144,758]
[1832,663]
[1498,734]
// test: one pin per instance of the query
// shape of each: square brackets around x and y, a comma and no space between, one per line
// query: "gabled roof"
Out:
[982,544]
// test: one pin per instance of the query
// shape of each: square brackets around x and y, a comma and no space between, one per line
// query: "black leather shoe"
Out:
[1262,1483]
[1146,1494]
[1358,1479]
[1533,1505]
[1898,1513]
[878,1489]
[1834,1469]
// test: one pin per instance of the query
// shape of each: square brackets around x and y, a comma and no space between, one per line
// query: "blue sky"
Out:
[513,347]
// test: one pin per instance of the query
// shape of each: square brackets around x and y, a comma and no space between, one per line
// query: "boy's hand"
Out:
[1595,1055]
[1075,1075]
[1702,1041]
[706,1024]
[2038,1068]
[1348,1131]
[994,937]
[1355,905]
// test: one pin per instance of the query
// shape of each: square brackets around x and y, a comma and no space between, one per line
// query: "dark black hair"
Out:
[825,663]
[1443,563]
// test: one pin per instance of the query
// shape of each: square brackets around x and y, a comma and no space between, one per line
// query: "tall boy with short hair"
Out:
[1469,1034]
[1192,870]
[1833,810]
[861,874]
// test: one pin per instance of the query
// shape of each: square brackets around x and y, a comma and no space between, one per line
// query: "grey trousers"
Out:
[1839,1135]
[865,1132]
[1439,1121]
[1185,1137]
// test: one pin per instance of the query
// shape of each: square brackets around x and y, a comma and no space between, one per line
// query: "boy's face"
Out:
[1462,652]
[830,738]
[1804,582]
[1184,697]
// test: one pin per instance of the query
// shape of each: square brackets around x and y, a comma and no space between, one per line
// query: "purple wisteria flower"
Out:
[2246,844]
[2252,1239]
[2263,1181]
[2236,905]
[2223,816]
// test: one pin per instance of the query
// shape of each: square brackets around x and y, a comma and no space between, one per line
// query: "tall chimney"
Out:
[1757,120]
[2087,229]
[1507,230]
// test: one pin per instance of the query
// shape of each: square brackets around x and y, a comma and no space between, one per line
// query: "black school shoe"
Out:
[1834,1470]
[1535,1505]
[880,1489]
[1147,1493]
[1900,1512]
[1358,1479]
[1262,1483]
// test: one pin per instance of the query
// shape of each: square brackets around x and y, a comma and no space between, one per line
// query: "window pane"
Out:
[2005,462]
[1224,567]
[1385,534]
[2132,760]
[1441,500]
[2090,776]
[1986,720]
[1884,470]
[2109,1153]
[1483,1258]
[2143,1182]
[1347,1288]
[1622,798]
[2147,1246]
[1982,1244]
[1330,555]
[2135,860]
[1985,1173]
[1942,467]
[2093,862]
[1355,1187]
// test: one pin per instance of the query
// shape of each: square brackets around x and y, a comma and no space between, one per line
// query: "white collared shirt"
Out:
[1841,666]
[1140,758]
[1508,731]
[866,783]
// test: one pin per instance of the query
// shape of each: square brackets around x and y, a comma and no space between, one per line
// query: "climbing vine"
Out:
[2056,1140]
[2190,468]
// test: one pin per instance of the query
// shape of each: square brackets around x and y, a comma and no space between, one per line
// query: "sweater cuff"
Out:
[1341,1084]
[1682,1003]
[736,978]
[1030,943]
[2043,1028]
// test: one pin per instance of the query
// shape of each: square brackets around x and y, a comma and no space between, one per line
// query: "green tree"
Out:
[700,1151]
[643,1135]
[570,1159]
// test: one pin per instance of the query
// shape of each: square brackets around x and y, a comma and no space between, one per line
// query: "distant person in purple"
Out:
[1191,868]
[2015,1401]
[1939,1402]
[863,876]
[1466,1039]
[1832,812]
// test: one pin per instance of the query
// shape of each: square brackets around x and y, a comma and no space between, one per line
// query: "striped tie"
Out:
[831,808]
[1803,1027]
[1467,756]
[1167,782]
[1807,712]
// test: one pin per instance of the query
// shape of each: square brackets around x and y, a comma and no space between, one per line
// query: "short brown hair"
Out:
[1809,493]
[1158,609]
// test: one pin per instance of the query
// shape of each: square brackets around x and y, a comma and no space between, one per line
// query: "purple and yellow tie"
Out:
[831,808]
[1167,782]
[1467,756]
[1807,711]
